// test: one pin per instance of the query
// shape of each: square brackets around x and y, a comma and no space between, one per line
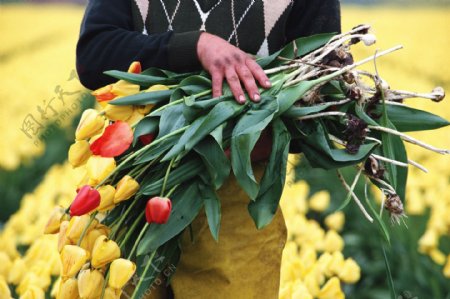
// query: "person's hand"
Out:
[225,61]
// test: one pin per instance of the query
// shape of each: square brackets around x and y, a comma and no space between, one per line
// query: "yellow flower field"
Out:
[36,57]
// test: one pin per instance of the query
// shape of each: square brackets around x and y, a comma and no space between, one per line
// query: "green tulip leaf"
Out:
[266,203]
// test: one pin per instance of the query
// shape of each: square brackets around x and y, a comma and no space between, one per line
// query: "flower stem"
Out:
[131,230]
[114,231]
[166,177]
[141,234]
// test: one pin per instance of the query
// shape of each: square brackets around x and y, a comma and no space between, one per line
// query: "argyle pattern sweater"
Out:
[164,33]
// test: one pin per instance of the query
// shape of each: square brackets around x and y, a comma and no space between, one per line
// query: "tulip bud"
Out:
[115,140]
[126,188]
[135,67]
[124,88]
[62,236]
[5,264]
[18,270]
[76,226]
[90,238]
[54,221]
[114,112]
[104,252]
[91,123]
[350,272]
[87,200]
[99,168]
[4,289]
[68,289]
[135,118]
[144,109]
[72,259]
[79,153]
[147,138]
[55,288]
[90,284]
[104,94]
[33,292]
[111,293]
[120,272]
[158,210]
[331,290]
[107,193]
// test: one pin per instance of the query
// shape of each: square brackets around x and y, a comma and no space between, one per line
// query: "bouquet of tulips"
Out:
[159,147]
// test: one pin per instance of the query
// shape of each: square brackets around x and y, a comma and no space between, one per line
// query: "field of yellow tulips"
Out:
[329,254]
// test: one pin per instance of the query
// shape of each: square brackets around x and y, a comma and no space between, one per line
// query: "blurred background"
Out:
[41,99]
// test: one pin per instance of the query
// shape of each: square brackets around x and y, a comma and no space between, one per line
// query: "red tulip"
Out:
[115,140]
[147,138]
[158,210]
[87,200]
[135,67]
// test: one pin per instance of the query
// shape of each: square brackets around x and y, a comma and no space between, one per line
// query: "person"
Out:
[220,36]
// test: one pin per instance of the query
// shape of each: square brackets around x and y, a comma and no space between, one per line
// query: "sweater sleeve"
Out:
[108,41]
[313,17]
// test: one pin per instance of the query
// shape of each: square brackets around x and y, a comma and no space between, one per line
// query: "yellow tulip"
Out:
[90,284]
[111,293]
[104,252]
[54,222]
[91,123]
[126,188]
[437,256]
[331,290]
[68,289]
[115,112]
[33,292]
[99,168]
[76,226]
[320,201]
[107,193]
[90,238]
[335,221]
[62,236]
[333,241]
[157,87]
[72,259]
[336,263]
[135,118]
[17,271]
[55,287]
[30,279]
[120,272]
[428,241]
[124,88]
[350,272]
[447,267]
[4,289]
[5,264]
[144,109]
[79,153]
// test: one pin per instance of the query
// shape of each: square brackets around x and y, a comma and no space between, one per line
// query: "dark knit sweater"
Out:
[113,33]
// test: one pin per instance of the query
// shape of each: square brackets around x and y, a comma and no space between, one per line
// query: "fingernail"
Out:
[268,84]
[256,97]
[241,99]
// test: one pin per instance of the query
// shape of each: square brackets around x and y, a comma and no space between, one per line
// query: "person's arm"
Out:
[108,42]
[313,17]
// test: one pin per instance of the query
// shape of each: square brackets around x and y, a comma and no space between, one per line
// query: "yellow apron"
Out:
[244,264]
